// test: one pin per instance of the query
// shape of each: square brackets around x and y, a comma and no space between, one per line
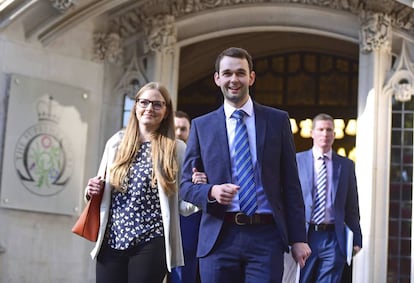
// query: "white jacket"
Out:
[170,206]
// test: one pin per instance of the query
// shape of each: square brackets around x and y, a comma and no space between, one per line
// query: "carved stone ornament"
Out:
[403,92]
[160,32]
[375,32]
[181,7]
[62,5]
[400,81]
[130,22]
[107,47]
[133,79]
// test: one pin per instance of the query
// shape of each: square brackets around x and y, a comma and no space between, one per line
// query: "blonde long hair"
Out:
[164,160]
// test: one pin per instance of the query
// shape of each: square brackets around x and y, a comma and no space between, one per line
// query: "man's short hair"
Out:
[321,117]
[235,52]
[182,114]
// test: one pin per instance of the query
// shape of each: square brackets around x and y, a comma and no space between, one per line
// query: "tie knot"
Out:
[238,114]
[323,157]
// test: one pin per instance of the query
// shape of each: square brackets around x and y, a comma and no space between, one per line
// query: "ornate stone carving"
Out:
[400,80]
[63,5]
[182,7]
[133,79]
[403,91]
[403,18]
[160,32]
[375,32]
[378,6]
[129,23]
[107,47]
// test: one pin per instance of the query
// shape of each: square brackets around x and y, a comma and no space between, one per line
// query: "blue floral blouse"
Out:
[135,215]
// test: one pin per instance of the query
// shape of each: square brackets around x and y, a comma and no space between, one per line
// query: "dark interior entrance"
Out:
[299,73]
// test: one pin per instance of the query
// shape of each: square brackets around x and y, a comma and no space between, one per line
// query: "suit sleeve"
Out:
[352,216]
[194,193]
[292,193]
[185,208]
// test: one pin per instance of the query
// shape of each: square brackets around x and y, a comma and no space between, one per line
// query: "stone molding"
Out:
[107,47]
[156,20]
[127,24]
[400,82]
[133,79]
[160,33]
[63,5]
[375,32]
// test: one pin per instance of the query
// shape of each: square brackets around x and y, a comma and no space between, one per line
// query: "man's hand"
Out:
[223,193]
[301,252]
[356,250]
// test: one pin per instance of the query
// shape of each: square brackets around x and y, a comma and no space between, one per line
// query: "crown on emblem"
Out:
[48,109]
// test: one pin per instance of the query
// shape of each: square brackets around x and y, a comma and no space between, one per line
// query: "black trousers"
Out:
[142,264]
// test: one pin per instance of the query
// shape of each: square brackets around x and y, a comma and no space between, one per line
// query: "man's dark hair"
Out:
[182,114]
[235,52]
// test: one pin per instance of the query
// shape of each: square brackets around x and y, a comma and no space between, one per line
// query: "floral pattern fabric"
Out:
[135,215]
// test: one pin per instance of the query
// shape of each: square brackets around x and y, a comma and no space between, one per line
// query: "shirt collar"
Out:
[316,154]
[247,107]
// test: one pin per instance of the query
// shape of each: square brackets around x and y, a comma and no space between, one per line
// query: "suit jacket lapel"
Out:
[308,198]
[260,123]
[336,172]
[219,132]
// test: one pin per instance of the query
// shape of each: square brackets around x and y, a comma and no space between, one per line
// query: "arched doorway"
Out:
[300,73]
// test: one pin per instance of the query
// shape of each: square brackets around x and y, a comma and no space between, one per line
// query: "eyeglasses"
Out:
[156,104]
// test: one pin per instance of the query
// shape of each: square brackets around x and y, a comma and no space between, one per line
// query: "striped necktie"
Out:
[320,193]
[244,166]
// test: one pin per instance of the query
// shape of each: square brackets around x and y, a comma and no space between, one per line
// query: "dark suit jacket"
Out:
[208,151]
[344,190]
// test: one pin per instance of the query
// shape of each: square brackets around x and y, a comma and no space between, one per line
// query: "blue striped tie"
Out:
[244,166]
[320,193]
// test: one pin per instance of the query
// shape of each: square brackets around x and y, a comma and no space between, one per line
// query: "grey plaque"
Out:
[45,143]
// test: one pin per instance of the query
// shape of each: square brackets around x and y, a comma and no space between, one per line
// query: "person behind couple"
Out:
[189,224]
[182,125]
[232,246]
[139,237]
[337,196]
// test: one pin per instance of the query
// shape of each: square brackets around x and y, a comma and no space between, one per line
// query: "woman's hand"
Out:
[95,186]
[199,177]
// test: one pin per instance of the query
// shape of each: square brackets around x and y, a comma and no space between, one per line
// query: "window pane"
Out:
[401,186]
[128,105]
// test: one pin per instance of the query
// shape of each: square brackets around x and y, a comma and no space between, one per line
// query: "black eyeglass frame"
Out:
[156,104]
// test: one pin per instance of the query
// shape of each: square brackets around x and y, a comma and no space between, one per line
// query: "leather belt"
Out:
[240,218]
[321,227]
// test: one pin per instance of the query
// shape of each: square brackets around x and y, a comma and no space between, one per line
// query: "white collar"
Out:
[316,154]
[247,107]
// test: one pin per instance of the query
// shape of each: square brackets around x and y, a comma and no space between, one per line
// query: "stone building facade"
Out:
[88,55]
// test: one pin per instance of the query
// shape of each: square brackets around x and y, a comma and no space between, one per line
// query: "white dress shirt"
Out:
[249,120]
[317,162]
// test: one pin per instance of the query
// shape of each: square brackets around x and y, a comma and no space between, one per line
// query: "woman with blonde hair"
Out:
[139,237]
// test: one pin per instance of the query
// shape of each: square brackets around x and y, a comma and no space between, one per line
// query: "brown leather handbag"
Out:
[87,226]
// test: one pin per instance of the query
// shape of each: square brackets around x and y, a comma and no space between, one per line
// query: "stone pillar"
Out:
[161,36]
[372,144]
[108,50]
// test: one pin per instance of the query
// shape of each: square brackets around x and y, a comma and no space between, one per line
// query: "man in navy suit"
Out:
[232,246]
[188,224]
[326,232]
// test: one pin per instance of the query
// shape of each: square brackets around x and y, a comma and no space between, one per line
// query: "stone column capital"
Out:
[160,32]
[107,47]
[375,32]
